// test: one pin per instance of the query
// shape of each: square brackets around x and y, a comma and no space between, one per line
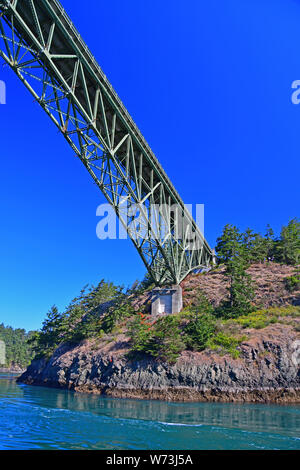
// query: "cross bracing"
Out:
[42,46]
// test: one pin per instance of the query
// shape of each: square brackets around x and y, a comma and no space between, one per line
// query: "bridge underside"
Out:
[41,45]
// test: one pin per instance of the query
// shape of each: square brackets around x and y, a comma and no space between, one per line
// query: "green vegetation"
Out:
[194,329]
[81,319]
[198,331]
[251,247]
[238,250]
[201,324]
[105,311]
[18,351]
[162,340]
[234,249]
[287,247]
[226,344]
[264,317]
[292,283]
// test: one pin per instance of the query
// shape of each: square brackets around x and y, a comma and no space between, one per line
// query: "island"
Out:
[237,338]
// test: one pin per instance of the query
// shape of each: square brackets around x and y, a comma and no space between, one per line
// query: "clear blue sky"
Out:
[209,85]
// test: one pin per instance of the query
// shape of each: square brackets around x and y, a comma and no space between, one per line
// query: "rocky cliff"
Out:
[266,371]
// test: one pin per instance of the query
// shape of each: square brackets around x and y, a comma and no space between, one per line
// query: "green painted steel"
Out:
[42,46]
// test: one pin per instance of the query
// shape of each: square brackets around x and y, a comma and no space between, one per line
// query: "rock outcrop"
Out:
[269,283]
[267,371]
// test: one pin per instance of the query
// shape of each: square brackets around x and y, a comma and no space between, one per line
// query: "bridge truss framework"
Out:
[41,45]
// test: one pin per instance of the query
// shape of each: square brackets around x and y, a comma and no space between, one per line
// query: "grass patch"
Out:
[226,344]
[264,317]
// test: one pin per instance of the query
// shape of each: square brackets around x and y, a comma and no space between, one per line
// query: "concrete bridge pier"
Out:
[166,300]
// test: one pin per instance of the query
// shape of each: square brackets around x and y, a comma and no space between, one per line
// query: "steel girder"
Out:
[41,45]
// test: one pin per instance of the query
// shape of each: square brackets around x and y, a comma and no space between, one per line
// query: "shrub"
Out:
[162,340]
[264,317]
[167,342]
[200,328]
[201,304]
[225,344]
[292,283]
[116,314]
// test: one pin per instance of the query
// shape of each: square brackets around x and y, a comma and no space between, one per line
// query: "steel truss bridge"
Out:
[41,45]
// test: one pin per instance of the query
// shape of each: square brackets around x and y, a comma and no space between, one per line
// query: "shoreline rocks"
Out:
[13,370]
[266,372]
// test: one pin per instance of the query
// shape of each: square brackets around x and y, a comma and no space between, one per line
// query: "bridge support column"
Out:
[166,300]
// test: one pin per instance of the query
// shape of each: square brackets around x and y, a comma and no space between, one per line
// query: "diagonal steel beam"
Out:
[41,45]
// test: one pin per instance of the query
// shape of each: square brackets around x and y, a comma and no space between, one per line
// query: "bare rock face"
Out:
[267,371]
[268,278]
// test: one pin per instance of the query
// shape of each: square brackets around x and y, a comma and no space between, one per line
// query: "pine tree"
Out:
[241,290]
[235,250]
[229,245]
[288,247]
[50,336]
[251,243]
[269,243]
[18,350]
[260,250]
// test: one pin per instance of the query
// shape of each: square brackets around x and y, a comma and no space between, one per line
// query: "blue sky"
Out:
[209,85]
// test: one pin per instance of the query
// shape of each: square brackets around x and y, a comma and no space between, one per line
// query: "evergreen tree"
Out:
[18,351]
[51,332]
[241,290]
[269,243]
[199,330]
[236,251]
[252,246]
[146,282]
[229,245]
[288,247]
[259,250]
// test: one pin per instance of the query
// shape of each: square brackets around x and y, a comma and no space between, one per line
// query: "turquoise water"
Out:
[41,418]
